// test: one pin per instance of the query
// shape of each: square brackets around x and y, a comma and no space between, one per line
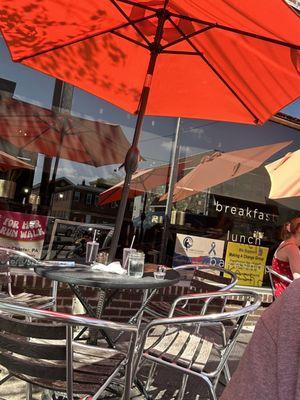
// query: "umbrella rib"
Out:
[256,119]
[198,32]
[87,151]
[185,53]
[132,23]
[35,138]
[134,3]
[130,39]
[235,30]
[107,139]
[81,39]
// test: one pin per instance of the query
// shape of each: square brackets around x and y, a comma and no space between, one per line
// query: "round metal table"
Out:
[82,275]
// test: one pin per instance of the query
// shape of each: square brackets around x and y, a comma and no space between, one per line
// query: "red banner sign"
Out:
[25,232]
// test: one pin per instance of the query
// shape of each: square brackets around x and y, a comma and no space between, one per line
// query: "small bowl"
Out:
[159,275]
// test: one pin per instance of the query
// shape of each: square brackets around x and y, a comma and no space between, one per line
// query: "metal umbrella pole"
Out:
[51,187]
[132,157]
[172,181]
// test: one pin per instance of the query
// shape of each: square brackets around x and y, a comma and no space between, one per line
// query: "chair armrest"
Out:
[256,301]
[209,296]
[278,275]
[67,319]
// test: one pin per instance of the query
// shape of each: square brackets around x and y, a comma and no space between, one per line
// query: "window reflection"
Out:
[73,155]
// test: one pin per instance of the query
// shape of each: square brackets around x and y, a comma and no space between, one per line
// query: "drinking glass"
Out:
[160,273]
[102,257]
[136,264]
[126,253]
[91,251]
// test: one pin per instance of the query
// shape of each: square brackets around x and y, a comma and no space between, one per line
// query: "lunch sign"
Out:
[247,262]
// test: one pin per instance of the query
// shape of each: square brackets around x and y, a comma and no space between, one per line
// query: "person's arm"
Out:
[293,254]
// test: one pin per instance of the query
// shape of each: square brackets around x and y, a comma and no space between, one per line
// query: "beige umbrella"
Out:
[218,167]
[145,180]
[284,174]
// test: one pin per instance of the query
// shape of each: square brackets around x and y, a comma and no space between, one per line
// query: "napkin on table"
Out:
[113,268]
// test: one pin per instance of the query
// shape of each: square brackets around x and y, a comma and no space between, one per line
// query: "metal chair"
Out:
[205,279]
[13,258]
[277,275]
[183,343]
[44,354]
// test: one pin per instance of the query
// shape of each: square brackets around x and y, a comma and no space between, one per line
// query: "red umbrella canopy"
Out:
[228,60]
[36,129]
[8,162]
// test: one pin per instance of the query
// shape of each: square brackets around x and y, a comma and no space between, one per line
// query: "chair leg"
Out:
[28,391]
[227,373]
[211,388]
[151,375]
[212,392]
[183,387]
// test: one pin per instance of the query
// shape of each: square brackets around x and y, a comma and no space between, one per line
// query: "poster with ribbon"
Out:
[191,249]
[247,262]
[23,232]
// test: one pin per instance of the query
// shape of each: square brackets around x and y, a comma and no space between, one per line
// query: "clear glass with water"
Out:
[126,253]
[136,264]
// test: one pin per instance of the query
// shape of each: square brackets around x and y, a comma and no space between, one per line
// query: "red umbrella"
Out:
[230,60]
[55,134]
[8,162]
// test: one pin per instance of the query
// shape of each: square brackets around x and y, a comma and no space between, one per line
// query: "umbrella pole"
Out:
[143,217]
[132,156]
[172,181]
[55,168]
[130,165]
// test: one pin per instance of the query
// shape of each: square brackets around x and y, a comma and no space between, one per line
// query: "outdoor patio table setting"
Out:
[138,131]
[82,275]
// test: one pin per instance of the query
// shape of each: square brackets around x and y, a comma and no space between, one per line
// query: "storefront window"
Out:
[155,146]
[64,151]
[235,212]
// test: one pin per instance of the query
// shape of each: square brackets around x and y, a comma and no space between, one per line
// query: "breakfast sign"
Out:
[24,232]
